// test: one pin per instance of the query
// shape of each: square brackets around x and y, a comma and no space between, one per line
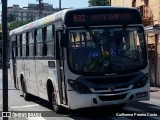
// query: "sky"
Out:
[64,3]
[55,3]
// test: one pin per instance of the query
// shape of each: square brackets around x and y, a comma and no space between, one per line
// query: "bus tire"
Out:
[56,107]
[24,90]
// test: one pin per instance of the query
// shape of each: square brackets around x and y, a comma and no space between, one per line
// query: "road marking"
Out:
[157,118]
[133,109]
[155,107]
[154,99]
[152,102]
[24,106]
[155,95]
[119,118]
[36,118]
[77,118]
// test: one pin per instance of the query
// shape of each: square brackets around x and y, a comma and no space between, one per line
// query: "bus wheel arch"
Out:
[52,97]
[24,88]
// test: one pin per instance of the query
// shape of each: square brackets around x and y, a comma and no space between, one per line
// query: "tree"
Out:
[11,17]
[11,26]
[99,2]
[16,24]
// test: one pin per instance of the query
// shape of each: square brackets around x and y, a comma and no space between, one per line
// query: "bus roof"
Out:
[40,22]
[61,16]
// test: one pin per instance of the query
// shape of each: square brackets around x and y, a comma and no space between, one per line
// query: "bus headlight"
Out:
[142,82]
[79,87]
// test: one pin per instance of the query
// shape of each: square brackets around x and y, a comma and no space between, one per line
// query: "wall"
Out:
[153,4]
[155,9]
[153,13]
[126,3]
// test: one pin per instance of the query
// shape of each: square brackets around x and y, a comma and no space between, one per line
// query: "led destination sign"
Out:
[103,17]
[100,17]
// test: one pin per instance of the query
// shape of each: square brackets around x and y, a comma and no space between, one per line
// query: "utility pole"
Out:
[40,8]
[5,53]
[59,5]
[156,60]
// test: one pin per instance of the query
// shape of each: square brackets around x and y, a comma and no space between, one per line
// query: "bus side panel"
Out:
[44,73]
[19,63]
[30,76]
[41,71]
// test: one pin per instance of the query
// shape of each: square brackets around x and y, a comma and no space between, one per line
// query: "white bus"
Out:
[79,58]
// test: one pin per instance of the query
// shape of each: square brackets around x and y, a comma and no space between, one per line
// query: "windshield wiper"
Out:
[95,39]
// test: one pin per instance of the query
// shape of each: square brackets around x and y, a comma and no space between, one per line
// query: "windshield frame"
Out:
[104,73]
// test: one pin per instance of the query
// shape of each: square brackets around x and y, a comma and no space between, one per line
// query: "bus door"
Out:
[14,63]
[61,69]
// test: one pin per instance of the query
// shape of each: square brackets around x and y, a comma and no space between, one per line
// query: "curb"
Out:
[154,89]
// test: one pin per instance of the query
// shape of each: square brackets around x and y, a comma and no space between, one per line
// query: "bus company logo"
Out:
[112,88]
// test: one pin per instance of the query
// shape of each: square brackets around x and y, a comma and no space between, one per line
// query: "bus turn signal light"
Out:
[142,82]
[141,94]
[79,87]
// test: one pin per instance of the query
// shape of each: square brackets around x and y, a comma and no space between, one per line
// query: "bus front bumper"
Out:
[77,100]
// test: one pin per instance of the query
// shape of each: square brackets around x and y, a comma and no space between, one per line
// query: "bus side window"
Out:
[27,44]
[19,45]
[50,42]
[31,43]
[13,49]
[39,43]
[24,44]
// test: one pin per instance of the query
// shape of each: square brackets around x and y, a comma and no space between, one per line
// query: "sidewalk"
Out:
[154,89]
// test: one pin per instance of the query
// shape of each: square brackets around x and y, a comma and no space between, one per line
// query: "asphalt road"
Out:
[18,106]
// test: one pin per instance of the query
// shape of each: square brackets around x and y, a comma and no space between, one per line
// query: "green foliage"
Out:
[11,17]
[11,26]
[99,2]
[16,24]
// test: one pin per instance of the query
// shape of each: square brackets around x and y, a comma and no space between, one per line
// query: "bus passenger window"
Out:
[24,44]
[50,44]
[31,44]
[19,47]
[39,43]
[13,48]
[27,44]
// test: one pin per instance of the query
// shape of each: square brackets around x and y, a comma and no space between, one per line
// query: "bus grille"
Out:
[113,97]
[116,87]
[110,80]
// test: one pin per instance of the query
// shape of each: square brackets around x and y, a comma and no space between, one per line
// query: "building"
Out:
[44,7]
[150,13]
[31,12]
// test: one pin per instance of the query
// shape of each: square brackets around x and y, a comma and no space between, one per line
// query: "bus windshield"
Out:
[106,49]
